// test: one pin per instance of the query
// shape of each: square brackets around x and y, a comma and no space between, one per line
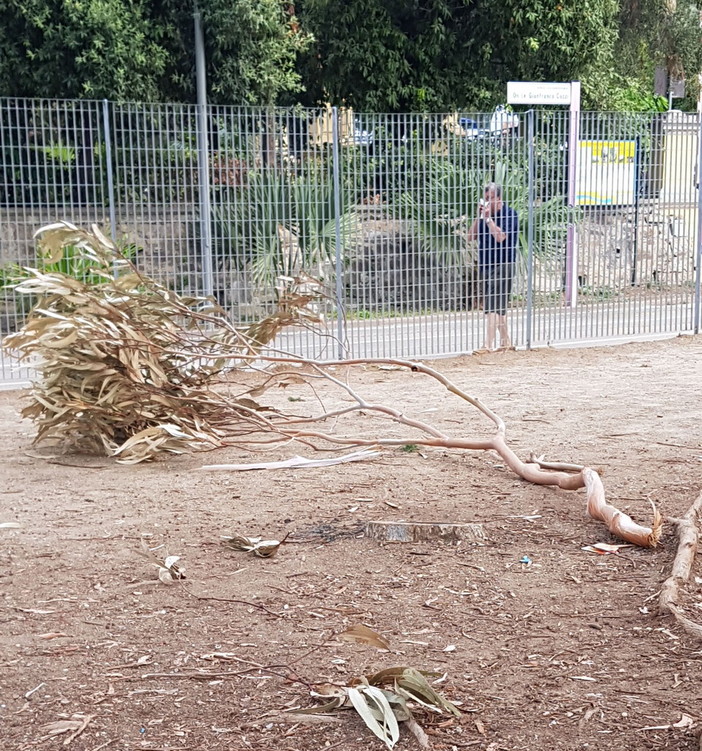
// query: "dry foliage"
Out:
[129,368]
[168,569]
[256,545]
[125,366]
[384,699]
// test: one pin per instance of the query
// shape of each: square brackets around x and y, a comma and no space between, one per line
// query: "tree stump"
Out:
[424,531]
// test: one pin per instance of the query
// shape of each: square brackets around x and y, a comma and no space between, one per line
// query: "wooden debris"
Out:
[688,541]
[130,369]
[424,531]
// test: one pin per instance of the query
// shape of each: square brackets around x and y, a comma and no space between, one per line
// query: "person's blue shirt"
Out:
[491,252]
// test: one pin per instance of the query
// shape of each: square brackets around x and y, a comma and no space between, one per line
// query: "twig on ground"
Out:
[86,721]
[229,599]
[105,745]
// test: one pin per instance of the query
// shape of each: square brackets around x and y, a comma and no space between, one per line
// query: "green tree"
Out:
[79,48]
[144,49]
[659,33]
[441,54]
[251,48]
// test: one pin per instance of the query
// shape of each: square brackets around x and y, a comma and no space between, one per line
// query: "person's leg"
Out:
[505,341]
[491,331]
[506,276]
[488,283]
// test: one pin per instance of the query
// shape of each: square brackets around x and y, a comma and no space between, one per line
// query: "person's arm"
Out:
[512,230]
[473,231]
[496,231]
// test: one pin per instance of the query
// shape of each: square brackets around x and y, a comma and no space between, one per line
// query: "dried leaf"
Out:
[388,676]
[684,722]
[10,525]
[299,462]
[325,690]
[75,726]
[605,547]
[412,685]
[255,545]
[61,726]
[239,542]
[166,576]
[168,569]
[266,548]
[363,635]
[370,701]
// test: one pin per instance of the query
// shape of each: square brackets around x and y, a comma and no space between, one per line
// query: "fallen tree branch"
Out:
[132,370]
[688,540]
[563,475]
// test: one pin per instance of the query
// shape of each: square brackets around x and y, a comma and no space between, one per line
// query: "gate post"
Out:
[339,261]
[530,232]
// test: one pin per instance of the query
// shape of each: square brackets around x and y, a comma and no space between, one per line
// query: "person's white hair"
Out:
[495,188]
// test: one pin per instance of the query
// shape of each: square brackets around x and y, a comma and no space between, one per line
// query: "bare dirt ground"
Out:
[565,652]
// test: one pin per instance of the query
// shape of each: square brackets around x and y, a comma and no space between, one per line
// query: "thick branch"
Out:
[563,475]
[688,540]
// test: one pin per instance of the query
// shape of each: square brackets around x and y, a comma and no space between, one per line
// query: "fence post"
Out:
[110,175]
[698,254]
[339,266]
[571,290]
[530,232]
[202,159]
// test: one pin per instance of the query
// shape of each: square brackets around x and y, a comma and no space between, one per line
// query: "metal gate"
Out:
[232,201]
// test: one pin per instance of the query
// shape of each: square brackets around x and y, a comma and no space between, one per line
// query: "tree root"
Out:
[688,540]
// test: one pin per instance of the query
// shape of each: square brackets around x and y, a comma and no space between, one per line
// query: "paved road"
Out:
[442,334]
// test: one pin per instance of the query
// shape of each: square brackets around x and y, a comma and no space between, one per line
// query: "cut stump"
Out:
[424,531]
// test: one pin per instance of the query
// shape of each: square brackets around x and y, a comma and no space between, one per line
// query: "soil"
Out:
[544,645]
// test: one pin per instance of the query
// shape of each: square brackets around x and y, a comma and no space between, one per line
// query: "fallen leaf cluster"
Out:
[384,699]
[256,545]
[168,569]
[125,366]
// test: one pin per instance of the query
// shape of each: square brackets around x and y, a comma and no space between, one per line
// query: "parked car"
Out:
[361,136]
[501,123]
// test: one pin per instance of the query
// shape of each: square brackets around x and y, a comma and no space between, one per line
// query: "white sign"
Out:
[536,92]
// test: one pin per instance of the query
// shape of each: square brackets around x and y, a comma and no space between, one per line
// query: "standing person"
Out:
[496,229]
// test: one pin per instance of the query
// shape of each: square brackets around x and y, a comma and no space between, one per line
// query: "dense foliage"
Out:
[386,55]
[144,49]
[79,48]
[376,55]
[655,33]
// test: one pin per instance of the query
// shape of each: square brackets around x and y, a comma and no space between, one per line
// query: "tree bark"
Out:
[423,531]
[688,540]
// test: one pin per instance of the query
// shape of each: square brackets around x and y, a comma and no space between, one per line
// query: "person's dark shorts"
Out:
[496,286]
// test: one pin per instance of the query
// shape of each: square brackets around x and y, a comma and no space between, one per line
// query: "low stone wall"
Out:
[393,271]
[387,268]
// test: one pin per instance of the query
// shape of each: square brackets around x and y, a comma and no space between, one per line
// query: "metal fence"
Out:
[231,201]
